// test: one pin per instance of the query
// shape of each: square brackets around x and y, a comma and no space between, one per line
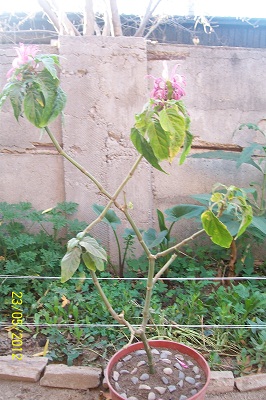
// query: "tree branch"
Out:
[150,10]
[115,18]
[88,26]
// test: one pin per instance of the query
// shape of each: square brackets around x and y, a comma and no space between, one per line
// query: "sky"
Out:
[227,8]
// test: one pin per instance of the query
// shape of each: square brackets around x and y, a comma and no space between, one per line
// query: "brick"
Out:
[221,382]
[62,376]
[251,382]
[28,369]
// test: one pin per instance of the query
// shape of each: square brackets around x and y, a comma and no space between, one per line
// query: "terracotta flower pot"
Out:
[181,348]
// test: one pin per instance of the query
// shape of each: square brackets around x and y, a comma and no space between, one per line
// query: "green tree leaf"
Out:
[93,248]
[144,148]
[259,223]
[16,98]
[171,121]
[161,220]
[50,62]
[110,217]
[44,100]
[174,123]
[224,155]
[186,147]
[159,140]
[246,216]
[216,230]
[70,263]
[152,239]
[58,105]
[184,211]
[72,243]
[33,106]
[92,263]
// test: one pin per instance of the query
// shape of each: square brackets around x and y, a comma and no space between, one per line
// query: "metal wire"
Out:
[237,278]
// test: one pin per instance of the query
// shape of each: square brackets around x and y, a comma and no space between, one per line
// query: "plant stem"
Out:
[120,269]
[147,348]
[149,288]
[164,268]
[118,317]
[173,248]
[114,197]
[137,231]
[75,163]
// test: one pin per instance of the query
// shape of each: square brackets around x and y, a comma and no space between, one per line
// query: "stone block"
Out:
[62,376]
[221,382]
[251,382]
[28,369]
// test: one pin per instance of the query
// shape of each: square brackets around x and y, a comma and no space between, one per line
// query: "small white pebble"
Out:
[196,369]
[167,371]
[151,396]
[116,376]
[144,387]
[160,389]
[140,363]
[127,358]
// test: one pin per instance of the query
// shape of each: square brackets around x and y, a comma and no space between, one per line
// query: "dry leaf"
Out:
[44,352]
[65,301]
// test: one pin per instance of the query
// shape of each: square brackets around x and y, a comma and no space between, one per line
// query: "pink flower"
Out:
[168,88]
[25,56]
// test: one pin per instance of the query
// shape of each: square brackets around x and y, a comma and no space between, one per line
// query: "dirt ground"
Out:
[12,390]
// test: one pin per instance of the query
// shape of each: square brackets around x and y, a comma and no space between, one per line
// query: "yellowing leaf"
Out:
[65,301]
[47,210]
[44,352]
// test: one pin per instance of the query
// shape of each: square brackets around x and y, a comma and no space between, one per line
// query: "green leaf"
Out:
[93,248]
[70,264]
[186,147]
[247,153]
[92,263]
[161,220]
[6,92]
[217,231]
[44,100]
[58,105]
[33,106]
[184,211]
[171,121]
[16,98]
[151,238]
[144,148]
[110,217]
[72,243]
[175,124]
[50,61]
[224,155]
[159,140]
[259,223]
[246,219]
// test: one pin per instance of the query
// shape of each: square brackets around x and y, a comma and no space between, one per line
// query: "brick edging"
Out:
[35,369]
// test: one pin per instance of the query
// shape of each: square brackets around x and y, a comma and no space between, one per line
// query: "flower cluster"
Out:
[168,87]
[25,56]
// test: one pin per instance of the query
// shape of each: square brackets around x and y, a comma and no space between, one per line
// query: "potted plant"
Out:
[145,369]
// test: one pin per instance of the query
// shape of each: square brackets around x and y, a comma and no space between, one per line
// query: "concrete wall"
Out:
[104,78]
[31,170]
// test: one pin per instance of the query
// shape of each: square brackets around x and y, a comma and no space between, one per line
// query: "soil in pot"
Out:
[177,377]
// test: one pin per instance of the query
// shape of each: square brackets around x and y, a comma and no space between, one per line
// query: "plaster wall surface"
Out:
[30,168]
[105,81]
